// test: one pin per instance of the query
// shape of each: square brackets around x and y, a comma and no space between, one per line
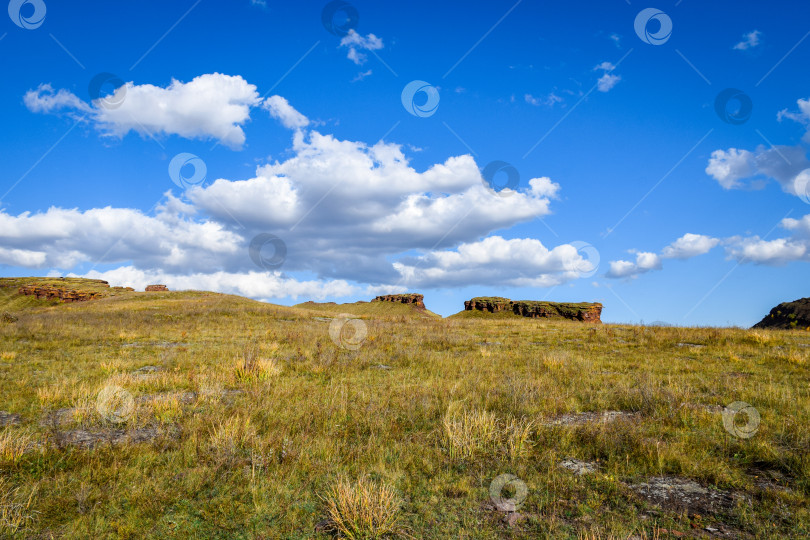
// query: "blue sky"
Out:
[633,190]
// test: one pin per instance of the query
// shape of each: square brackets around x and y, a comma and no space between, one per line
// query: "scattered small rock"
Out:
[681,494]
[512,518]
[8,318]
[9,419]
[685,344]
[147,370]
[325,526]
[578,467]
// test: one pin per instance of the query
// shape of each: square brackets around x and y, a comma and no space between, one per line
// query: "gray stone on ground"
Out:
[578,467]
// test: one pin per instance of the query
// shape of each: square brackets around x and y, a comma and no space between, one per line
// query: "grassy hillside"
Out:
[368,309]
[177,415]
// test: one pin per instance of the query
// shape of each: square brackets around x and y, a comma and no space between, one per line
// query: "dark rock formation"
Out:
[48,292]
[585,312]
[788,315]
[414,299]
[157,288]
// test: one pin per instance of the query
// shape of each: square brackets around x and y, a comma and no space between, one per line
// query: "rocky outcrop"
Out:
[63,294]
[585,312]
[157,288]
[788,315]
[416,300]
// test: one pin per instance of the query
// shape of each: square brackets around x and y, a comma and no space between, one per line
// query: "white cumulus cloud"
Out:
[281,110]
[645,262]
[690,245]
[210,106]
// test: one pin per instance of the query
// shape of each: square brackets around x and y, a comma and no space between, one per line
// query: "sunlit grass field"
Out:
[199,415]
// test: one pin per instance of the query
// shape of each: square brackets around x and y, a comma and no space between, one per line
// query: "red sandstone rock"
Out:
[585,312]
[157,288]
[415,299]
[47,292]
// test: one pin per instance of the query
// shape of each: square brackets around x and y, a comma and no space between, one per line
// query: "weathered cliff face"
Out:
[585,312]
[70,289]
[788,315]
[157,288]
[414,299]
[47,292]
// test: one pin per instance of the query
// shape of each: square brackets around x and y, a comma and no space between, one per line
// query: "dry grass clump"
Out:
[253,367]
[14,443]
[364,510]
[233,440]
[15,509]
[472,433]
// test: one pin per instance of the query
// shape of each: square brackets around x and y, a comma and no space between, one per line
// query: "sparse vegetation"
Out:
[249,422]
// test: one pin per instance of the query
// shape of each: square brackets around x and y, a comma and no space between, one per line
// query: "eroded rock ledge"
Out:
[788,315]
[583,311]
[67,294]
[415,299]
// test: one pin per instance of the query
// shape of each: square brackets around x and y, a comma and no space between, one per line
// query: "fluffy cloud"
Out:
[749,41]
[522,262]
[690,245]
[781,163]
[356,43]
[801,116]
[751,249]
[281,110]
[645,262]
[211,106]
[775,252]
[687,246]
[63,238]
[788,165]
[346,211]
[258,285]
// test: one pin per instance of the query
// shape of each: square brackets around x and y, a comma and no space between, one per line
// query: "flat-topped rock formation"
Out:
[69,290]
[788,315]
[583,311]
[157,288]
[414,299]
[48,292]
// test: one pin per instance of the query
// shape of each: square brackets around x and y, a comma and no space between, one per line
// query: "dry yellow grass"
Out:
[364,510]
[252,421]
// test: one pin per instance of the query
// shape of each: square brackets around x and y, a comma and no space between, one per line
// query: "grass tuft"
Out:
[364,510]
